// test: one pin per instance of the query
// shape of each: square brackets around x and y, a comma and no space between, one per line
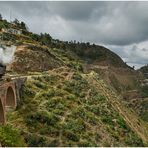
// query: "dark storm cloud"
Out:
[114,24]
[76,11]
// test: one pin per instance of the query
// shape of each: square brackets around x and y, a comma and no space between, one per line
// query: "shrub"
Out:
[34,140]
[107,120]
[42,117]
[53,143]
[144,116]
[87,144]
[55,103]
[144,91]
[10,137]
[71,135]
[75,125]
[58,112]
[27,93]
[50,131]
[134,140]
[122,123]
[46,94]
[71,97]
[40,85]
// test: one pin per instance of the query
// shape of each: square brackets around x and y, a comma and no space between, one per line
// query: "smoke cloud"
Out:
[7,54]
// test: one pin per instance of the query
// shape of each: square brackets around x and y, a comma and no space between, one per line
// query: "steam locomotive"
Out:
[2,70]
[2,66]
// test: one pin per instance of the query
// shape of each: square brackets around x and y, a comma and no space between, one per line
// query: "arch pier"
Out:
[8,98]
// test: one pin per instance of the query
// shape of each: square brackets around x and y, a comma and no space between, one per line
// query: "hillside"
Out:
[63,107]
[140,105]
[144,69]
[78,56]
[73,95]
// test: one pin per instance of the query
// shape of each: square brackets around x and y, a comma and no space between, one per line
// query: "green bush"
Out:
[75,125]
[46,94]
[122,123]
[144,90]
[134,140]
[42,117]
[55,103]
[53,143]
[34,140]
[71,97]
[58,112]
[71,135]
[107,120]
[26,96]
[144,115]
[10,137]
[85,144]
[50,131]
[40,85]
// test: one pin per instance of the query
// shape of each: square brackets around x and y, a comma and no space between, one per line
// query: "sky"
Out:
[120,26]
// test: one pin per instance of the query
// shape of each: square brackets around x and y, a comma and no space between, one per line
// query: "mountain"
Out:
[141,105]
[144,70]
[63,107]
[75,95]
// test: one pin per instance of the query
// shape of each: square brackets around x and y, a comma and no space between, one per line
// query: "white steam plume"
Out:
[7,55]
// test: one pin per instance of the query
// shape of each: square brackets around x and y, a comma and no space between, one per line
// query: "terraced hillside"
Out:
[140,105]
[72,96]
[64,107]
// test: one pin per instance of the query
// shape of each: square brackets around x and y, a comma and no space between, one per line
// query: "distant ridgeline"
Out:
[144,70]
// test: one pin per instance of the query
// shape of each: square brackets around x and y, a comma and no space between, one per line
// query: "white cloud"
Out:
[134,54]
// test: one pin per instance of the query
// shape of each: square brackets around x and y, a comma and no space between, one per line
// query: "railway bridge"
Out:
[9,96]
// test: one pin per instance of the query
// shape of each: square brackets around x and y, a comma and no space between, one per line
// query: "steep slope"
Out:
[36,58]
[109,65]
[96,54]
[140,104]
[33,58]
[63,107]
[64,103]
[112,69]
[128,115]
[93,57]
[141,107]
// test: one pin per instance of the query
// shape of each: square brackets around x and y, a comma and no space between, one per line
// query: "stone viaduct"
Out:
[9,96]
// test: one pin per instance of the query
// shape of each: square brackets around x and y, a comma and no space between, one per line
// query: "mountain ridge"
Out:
[72,96]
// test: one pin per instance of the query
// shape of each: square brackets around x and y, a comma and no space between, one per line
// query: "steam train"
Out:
[2,70]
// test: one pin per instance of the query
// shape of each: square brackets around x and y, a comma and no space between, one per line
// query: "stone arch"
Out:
[10,97]
[2,114]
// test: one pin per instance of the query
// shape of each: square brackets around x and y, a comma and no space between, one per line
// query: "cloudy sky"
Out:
[120,26]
